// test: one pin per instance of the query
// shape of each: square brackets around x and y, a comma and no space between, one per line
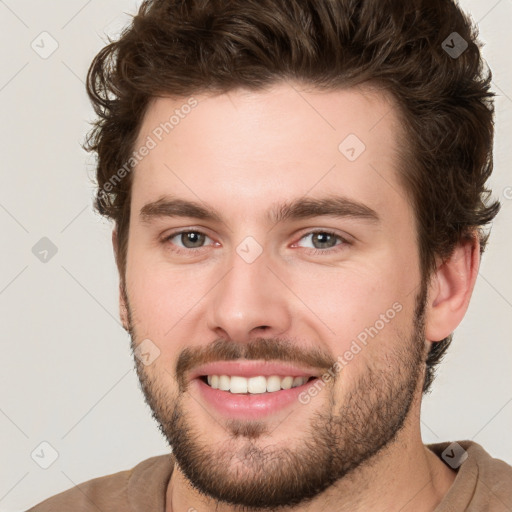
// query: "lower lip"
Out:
[250,406]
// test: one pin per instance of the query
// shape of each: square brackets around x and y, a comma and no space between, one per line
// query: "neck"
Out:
[405,476]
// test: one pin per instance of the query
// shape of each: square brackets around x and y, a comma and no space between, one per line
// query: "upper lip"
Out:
[253,369]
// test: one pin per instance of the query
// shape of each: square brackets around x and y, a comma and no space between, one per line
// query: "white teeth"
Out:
[254,385]
[257,385]
[297,381]
[224,382]
[287,382]
[238,385]
[273,383]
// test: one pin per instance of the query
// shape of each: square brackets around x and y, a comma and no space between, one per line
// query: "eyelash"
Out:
[310,251]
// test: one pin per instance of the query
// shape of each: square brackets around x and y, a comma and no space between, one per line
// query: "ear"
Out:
[450,290]
[123,311]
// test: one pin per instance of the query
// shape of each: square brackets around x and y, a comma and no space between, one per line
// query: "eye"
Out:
[188,239]
[318,240]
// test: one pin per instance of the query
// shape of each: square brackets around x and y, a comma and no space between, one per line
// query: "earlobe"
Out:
[123,311]
[450,290]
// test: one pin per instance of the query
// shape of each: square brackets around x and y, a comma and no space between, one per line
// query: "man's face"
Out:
[309,261]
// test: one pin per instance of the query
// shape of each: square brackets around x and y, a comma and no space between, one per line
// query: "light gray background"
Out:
[66,372]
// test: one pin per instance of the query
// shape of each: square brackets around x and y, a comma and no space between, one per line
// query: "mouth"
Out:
[251,398]
[255,385]
[246,389]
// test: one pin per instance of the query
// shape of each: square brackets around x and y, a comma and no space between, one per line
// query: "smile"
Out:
[254,385]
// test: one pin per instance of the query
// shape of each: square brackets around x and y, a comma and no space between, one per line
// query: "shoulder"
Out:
[115,491]
[482,482]
[494,475]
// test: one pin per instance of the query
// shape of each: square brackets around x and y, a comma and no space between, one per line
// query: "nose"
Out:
[249,301]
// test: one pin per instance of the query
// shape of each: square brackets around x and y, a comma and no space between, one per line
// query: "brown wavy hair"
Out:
[184,47]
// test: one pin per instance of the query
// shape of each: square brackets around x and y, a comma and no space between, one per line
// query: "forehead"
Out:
[247,149]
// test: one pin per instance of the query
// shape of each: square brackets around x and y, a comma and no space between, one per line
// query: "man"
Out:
[298,190]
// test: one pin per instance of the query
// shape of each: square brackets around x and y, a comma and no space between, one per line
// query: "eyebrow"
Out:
[302,208]
[333,206]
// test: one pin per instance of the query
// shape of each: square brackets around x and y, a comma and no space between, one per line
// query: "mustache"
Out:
[267,349]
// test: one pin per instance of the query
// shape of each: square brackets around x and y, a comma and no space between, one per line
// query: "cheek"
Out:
[161,295]
[163,302]
[351,298]
[360,311]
